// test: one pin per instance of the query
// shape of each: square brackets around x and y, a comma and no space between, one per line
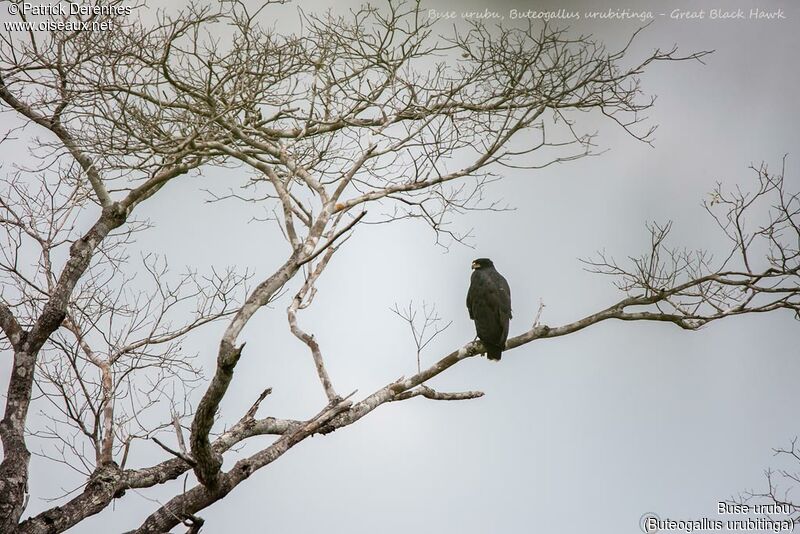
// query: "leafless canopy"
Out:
[777,501]
[759,273]
[373,110]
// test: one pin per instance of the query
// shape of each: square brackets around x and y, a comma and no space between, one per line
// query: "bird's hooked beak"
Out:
[475,265]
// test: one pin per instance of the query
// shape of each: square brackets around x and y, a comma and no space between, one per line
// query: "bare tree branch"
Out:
[775,503]
[10,327]
[302,299]
[432,394]
[54,125]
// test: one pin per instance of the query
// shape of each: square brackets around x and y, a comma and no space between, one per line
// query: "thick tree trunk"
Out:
[14,468]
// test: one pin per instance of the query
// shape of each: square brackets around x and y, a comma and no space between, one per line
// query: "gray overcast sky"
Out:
[580,434]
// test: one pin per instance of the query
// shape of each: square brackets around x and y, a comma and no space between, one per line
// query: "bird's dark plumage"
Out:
[489,305]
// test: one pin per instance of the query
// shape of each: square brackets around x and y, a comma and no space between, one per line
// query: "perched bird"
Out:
[489,305]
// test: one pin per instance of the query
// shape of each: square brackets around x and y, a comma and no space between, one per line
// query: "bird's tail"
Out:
[493,353]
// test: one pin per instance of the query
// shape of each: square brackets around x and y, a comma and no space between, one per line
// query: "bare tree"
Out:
[777,503]
[369,110]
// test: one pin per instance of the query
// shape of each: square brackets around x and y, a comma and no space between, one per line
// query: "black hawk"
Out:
[489,305]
